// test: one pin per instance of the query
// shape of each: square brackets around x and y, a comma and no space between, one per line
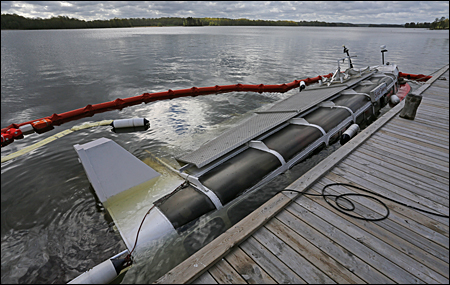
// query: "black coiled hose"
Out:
[343,197]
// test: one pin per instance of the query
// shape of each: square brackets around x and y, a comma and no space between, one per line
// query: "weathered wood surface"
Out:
[306,241]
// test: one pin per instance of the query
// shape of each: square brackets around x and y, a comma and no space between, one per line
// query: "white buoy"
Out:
[129,123]
[103,273]
[349,133]
[26,129]
[302,85]
[394,100]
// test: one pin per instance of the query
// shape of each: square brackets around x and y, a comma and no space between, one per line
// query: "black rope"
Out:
[343,197]
[128,259]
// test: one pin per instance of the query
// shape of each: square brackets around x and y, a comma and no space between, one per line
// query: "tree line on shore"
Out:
[438,24]
[13,21]
[17,22]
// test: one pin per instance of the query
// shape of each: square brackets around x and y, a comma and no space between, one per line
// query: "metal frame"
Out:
[195,182]
[257,143]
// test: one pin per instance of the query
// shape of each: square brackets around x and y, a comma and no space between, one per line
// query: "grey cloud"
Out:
[398,12]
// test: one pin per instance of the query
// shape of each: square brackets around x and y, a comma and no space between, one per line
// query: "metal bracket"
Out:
[262,146]
[303,122]
[327,104]
[211,195]
[331,104]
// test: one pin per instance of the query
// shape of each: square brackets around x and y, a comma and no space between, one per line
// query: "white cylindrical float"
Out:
[302,85]
[349,133]
[103,273]
[394,100]
[26,129]
[130,123]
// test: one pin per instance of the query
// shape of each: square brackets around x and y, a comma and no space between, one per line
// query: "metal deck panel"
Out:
[304,100]
[253,127]
[263,121]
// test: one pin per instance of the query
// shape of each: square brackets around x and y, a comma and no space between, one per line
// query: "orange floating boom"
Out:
[416,77]
[90,110]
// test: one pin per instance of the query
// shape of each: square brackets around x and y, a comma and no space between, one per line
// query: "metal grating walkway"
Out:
[264,121]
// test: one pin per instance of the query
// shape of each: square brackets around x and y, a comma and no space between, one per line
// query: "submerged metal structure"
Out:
[254,152]
[272,141]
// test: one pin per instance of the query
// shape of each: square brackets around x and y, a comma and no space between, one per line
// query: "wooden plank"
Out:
[196,264]
[426,129]
[441,83]
[411,148]
[397,143]
[225,274]
[433,194]
[418,132]
[425,120]
[409,153]
[428,103]
[435,103]
[391,191]
[270,263]
[405,181]
[405,216]
[322,241]
[440,144]
[430,116]
[366,233]
[320,259]
[411,162]
[351,244]
[441,111]
[205,278]
[434,111]
[377,234]
[438,92]
[405,155]
[247,268]
[400,170]
[410,156]
[400,231]
[379,254]
[393,183]
[291,258]
[398,161]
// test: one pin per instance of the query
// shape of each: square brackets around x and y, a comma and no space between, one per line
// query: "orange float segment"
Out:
[42,125]
[416,77]
[16,133]
[6,139]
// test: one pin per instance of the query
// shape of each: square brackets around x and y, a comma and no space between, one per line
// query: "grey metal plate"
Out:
[304,100]
[356,80]
[253,127]
[111,169]
[263,121]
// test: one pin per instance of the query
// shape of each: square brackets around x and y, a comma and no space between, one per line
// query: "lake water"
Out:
[52,227]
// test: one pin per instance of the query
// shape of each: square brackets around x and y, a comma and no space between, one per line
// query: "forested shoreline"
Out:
[17,22]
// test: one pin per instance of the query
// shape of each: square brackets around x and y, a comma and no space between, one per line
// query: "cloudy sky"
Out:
[357,12]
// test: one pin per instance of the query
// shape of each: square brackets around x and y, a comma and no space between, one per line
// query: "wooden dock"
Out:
[295,238]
